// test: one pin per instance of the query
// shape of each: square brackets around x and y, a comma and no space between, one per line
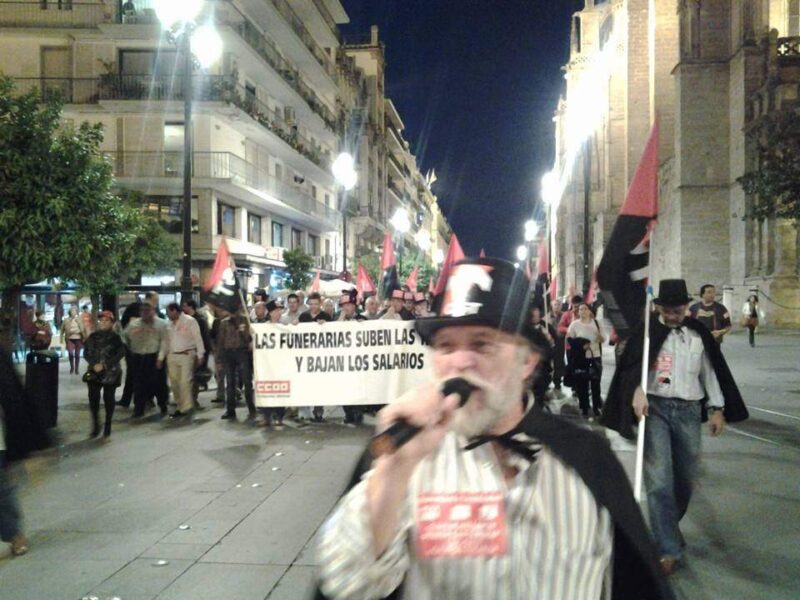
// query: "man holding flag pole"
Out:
[671,370]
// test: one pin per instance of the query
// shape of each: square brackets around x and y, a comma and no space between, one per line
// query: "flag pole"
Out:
[639,470]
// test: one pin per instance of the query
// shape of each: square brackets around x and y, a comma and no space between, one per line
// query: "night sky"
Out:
[476,83]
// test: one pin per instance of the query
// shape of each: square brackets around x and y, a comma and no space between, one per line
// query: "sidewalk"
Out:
[227,510]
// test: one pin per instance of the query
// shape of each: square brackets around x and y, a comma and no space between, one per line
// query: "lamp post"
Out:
[401,224]
[178,19]
[343,169]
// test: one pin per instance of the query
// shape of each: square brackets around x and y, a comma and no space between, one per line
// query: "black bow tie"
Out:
[515,440]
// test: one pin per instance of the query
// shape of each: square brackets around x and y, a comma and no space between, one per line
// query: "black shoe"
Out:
[137,415]
[218,401]
[228,415]
[95,431]
[107,430]
[177,415]
[123,404]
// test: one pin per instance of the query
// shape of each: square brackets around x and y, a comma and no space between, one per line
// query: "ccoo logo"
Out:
[273,388]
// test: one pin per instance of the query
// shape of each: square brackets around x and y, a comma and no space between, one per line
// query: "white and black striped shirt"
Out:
[558,546]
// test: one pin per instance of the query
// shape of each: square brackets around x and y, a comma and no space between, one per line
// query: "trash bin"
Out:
[41,385]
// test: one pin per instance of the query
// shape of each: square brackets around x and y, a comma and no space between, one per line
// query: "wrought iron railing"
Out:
[296,23]
[220,165]
[54,13]
[267,50]
[789,47]
[156,88]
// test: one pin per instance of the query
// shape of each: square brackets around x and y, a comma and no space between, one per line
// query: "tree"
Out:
[774,184]
[298,267]
[59,217]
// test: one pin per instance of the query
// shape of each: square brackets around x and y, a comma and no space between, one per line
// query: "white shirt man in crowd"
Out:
[371,308]
[185,353]
[291,315]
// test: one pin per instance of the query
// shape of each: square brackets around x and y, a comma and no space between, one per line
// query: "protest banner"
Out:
[356,362]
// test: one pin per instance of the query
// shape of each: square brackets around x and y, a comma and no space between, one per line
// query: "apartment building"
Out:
[266,122]
[709,70]
[390,178]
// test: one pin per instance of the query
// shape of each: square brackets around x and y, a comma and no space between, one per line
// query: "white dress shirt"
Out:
[184,335]
[682,370]
[559,540]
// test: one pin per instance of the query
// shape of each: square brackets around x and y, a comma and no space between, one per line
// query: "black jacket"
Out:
[618,410]
[636,572]
[105,347]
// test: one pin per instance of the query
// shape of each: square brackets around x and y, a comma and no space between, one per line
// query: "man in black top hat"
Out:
[541,505]
[687,378]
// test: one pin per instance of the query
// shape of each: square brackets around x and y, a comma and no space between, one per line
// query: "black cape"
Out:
[618,410]
[24,431]
[636,571]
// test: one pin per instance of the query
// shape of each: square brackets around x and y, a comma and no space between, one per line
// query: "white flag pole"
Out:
[637,485]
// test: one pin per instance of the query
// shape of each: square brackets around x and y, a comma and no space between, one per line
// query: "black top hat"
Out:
[481,291]
[672,292]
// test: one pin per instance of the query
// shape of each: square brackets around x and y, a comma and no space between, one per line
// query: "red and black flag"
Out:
[222,286]
[389,279]
[364,284]
[623,271]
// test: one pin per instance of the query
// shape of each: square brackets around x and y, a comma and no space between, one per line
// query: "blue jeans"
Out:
[671,456]
[10,516]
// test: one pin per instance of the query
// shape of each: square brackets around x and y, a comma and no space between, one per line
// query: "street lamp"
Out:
[423,240]
[401,224]
[531,230]
[522,253]
[344,171]
[438,257]
[178,19]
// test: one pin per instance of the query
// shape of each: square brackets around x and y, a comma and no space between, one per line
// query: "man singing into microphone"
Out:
[492,499]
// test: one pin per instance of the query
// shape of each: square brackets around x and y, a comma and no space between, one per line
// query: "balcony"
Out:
[213,88]
[266,49]
[286,11]
[780,87]
[220,165]
[54,13]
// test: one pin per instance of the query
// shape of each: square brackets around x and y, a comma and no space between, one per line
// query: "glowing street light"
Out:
[522,253]
[551,189]
[531,230]
[438,256]
[178,20]
[400,221]
[344,171]
[423,240]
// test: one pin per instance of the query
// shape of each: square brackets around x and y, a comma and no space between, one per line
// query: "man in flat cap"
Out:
[491,498]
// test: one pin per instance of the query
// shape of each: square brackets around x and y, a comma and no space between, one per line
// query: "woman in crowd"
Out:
[72,334]
[545,371]
[751,314]
[584,334]
[104,350]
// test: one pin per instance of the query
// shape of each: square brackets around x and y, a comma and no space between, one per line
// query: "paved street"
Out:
[227,510]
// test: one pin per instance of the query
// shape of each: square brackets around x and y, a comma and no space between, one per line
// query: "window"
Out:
[149,62]
[277,234]
[313,191]
[55,4]
[254,229]
[793,11]
[226,220]
[250,90]
[297,238]
[173,149]
[327,249]
[168,210]
[327,199]
[278,171]
[313,245]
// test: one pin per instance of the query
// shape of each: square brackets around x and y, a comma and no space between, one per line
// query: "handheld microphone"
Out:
[401,432]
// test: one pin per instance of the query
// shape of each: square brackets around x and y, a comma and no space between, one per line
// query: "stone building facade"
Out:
[708,69]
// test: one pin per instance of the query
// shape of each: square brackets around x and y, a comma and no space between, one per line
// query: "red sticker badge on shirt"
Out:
[461,524]
[664,368]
